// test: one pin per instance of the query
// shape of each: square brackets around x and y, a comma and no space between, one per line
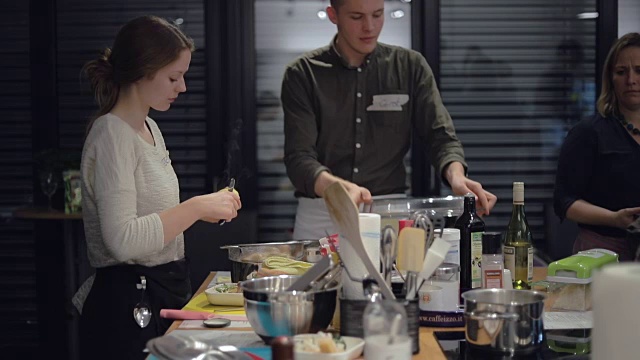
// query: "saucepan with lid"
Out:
[504,321]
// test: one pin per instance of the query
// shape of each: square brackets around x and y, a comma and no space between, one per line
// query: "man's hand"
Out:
[461,185]
[358,194]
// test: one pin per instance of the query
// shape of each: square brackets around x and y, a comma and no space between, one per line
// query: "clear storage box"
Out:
[569,280]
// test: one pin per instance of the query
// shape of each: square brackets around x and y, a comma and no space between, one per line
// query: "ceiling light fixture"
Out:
[322,14]
[587,15]
[397,14]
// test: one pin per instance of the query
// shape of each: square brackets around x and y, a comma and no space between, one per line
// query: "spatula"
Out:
[410,249]
[410,257]
[435,256]
[344,214]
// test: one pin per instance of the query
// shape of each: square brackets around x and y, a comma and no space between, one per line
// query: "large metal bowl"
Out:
[442,211]
[402,208]
[272,311]
[245,258]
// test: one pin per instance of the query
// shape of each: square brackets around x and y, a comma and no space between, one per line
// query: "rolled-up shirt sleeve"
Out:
[300,133]
[575,167]
[433,122]
[125,234]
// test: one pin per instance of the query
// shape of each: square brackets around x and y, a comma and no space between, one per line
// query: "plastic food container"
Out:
[569,279]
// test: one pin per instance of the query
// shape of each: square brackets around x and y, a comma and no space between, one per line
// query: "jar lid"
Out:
[403,223]
[491,242]
[446,269]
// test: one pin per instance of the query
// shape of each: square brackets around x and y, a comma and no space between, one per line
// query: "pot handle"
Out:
[493,316]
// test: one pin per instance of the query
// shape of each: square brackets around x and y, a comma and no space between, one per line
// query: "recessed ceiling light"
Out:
[397,14]
[587,15]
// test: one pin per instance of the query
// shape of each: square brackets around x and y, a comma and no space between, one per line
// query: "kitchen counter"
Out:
[429,347]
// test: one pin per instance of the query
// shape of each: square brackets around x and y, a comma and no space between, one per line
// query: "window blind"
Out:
[515,76]
[17,259]
[85,28]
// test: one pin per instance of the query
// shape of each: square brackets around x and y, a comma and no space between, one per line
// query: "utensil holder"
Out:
[351,316]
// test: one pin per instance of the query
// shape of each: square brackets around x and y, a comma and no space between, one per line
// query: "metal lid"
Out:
[491,243]
[449,234]
[446,269]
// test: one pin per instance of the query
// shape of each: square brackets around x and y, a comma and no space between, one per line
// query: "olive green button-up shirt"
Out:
[357,122]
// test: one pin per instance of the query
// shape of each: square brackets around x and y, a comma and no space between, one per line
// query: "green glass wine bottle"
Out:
[518,242]
[471,228]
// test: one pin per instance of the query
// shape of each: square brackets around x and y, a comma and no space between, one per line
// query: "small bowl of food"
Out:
[327,346]
[228,294]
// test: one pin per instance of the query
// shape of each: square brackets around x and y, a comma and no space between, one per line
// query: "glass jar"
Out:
[447,276]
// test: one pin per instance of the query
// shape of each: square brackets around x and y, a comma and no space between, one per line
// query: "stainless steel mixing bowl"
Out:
[272,311]
[245,258]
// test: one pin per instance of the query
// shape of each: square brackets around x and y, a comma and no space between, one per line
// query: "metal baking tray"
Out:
[257,252]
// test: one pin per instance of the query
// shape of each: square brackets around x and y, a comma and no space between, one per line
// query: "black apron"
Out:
[107,326]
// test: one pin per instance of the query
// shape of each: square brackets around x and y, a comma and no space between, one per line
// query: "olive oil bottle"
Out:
[471,228]
[518,242]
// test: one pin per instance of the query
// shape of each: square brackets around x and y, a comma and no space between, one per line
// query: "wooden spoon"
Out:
[344,214]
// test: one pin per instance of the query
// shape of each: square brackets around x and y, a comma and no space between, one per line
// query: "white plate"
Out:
[354,347]
[216,297]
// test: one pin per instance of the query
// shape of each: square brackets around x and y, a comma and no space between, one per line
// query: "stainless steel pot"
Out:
[505,321]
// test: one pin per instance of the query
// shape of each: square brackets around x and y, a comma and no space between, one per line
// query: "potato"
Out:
[326,345]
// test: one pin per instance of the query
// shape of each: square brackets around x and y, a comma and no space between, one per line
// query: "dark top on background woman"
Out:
[598,177]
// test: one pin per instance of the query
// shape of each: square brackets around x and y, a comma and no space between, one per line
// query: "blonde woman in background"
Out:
[598,177]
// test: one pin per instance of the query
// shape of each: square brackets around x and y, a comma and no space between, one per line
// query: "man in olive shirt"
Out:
[349,110]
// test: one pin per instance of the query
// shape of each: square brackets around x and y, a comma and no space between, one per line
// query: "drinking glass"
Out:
[49,185]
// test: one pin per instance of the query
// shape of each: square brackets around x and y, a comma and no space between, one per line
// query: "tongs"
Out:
[319,276]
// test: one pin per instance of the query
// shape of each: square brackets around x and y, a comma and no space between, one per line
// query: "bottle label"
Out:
[509,253]
[530,264]
[492,279]
[476,257]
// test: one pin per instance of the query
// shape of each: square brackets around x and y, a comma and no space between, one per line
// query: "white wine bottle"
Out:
[518,242]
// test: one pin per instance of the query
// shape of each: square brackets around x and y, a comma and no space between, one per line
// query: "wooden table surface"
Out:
[43,213]
[429,347]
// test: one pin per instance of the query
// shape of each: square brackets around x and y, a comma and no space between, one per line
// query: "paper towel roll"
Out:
[616,314]
[370,233]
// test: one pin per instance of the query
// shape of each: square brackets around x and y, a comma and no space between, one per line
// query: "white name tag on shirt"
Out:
[388,102]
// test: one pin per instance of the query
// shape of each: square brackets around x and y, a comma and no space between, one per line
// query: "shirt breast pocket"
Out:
[389,111]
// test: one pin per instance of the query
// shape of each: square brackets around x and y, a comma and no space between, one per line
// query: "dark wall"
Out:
[44,104]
